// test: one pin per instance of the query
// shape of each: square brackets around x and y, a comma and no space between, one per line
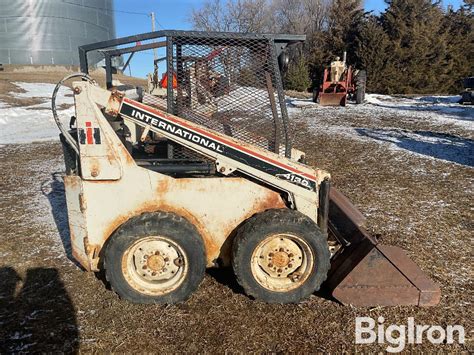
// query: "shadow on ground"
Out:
[53,190]
[437,145]
[36,314]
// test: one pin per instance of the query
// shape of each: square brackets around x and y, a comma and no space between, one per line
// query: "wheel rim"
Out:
[154,265]
[282,262]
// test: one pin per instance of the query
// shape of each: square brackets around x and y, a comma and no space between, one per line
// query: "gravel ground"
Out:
[413,197]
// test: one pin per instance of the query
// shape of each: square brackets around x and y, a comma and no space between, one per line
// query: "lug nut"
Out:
[294,277]
[178,262]
[282,250]
[157,252]
[144,267]
[270,265]
[153,273]
[279,270]
[290,255]
[271,255]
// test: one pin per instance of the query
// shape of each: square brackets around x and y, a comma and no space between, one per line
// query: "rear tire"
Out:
[155,258]
[316,95]
[280,256]
[361,83]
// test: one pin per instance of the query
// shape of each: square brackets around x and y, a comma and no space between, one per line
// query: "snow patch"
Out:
[425,144]
[34,123]
[440,110]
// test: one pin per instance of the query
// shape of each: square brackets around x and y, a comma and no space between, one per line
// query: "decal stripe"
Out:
[89,133]
[217,138]
[97,136]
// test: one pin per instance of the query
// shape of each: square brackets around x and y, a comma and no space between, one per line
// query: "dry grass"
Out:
[428,215]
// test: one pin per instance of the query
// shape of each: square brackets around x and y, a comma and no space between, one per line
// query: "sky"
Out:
[379,5]
[132,17]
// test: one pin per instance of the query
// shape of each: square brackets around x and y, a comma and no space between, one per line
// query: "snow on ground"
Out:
[34,123]
[436,114]
[439,110]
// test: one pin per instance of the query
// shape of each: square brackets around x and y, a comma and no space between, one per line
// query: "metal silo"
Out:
[49,31]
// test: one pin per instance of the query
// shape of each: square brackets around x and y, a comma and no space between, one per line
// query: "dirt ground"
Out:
[422,204]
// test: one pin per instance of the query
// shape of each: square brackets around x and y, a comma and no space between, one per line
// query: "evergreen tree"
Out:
[372,50]
[343,20]
[460,28]
[297,78]
[419,46]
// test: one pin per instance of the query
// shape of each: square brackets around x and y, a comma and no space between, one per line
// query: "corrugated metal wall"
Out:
[49,31]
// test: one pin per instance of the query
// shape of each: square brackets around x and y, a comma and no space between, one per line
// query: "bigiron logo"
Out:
[177,131]
[368,331]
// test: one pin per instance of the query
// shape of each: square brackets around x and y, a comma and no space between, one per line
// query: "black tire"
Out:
[175,229]
[264,226]
[361,83]
[315,95]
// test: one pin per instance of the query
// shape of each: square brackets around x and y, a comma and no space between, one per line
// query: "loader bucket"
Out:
[332,99]
[365,273]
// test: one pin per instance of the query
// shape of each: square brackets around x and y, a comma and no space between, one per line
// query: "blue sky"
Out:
[173,14]
[379,5]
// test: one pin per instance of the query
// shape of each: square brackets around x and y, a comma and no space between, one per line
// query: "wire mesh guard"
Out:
[230,85]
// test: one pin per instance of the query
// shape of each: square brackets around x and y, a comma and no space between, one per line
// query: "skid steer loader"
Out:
[159,190]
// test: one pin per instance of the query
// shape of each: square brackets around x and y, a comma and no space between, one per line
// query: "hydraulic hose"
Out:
[67,136]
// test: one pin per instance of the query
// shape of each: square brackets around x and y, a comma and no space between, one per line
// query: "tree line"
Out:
[413,47]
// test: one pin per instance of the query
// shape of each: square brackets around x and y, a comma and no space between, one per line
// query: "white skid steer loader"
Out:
[160,188]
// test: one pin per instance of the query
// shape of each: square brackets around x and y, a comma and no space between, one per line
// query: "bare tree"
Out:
[211,16]
[232,16]
[300,16]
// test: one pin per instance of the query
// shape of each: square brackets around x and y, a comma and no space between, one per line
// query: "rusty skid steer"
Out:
[160,188]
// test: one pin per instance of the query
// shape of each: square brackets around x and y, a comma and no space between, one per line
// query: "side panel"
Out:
[77,221]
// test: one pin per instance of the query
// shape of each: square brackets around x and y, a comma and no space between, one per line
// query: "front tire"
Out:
[155,258]
[280,256]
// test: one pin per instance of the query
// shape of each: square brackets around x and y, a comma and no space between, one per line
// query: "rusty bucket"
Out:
[333,98]
[366,273]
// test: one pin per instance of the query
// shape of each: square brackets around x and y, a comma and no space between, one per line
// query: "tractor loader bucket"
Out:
[365,273]
[332,99]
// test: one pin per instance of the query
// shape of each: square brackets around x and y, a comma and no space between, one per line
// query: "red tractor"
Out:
[341,82]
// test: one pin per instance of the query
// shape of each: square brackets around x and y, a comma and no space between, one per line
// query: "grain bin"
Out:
[50,31]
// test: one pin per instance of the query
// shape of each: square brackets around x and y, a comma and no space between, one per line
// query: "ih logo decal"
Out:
[89,135]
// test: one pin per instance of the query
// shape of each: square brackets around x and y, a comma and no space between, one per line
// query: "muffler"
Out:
[366,273]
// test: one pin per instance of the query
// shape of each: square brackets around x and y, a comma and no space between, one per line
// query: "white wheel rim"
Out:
[154,265]
[282,262]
